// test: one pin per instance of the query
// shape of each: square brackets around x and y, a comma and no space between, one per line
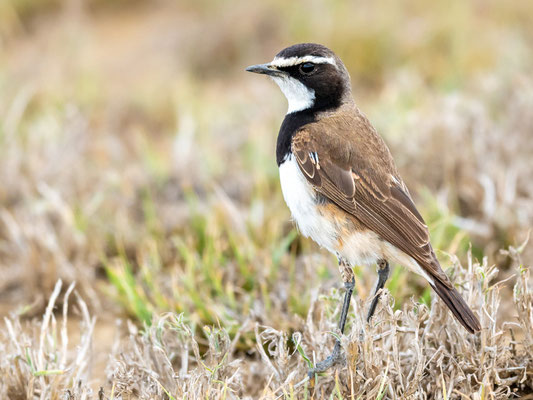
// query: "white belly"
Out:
[358,248]
[301,199]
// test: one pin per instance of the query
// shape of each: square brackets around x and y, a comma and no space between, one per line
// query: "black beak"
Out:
[265,69]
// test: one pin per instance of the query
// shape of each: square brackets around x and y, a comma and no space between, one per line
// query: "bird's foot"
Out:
[334,358]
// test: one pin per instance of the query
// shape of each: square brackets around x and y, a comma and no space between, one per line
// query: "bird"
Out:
[341,184]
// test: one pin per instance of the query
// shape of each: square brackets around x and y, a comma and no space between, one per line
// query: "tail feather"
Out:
[457,306]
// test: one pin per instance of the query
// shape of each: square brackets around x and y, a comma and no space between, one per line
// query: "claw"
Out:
[336,357]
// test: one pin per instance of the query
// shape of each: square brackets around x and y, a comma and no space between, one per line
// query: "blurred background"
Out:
[137,157]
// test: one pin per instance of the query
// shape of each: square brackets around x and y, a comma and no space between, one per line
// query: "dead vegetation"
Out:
[415,352]
[137,167]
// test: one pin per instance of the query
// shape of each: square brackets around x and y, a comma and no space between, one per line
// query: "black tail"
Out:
[458,306]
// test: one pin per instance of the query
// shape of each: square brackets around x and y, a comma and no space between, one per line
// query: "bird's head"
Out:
[310,76]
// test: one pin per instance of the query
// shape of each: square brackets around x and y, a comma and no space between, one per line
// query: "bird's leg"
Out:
[383,275]
[335,357]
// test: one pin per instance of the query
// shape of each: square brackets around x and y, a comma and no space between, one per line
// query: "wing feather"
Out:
[376,199]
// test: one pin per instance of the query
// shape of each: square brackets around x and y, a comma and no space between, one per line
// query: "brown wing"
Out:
[375,197]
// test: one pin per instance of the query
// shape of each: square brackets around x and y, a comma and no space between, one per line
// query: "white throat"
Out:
[299,96]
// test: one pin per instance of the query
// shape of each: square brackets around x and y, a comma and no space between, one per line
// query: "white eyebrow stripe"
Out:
[291,61]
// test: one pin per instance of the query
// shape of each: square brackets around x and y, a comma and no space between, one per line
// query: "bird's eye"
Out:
[307,68]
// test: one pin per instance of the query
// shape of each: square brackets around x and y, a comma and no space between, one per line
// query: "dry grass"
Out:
[415,352]
[136,160]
